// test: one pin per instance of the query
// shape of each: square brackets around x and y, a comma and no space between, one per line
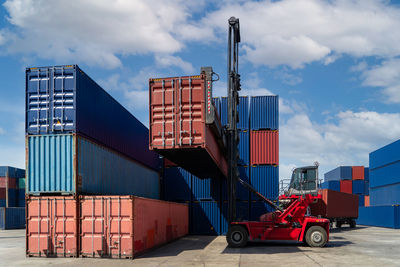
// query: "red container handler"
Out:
[346,186]
[335,204]
[358,172]
[126,226]
[52,226]
[184,124]
[264,147]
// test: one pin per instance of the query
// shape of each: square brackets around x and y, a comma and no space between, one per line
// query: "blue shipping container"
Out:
[205,218]
[12,218]
[206,189]
[244,148]
[71,164]
[243,110]
[381,216]
[332,185]
[177,184]
[63,99]
[224,110]
[265,179]
[242,193]
[7,171]
[361,200]
[258,208]
[242,214]
[358,187]
[366,188]
[385,155]
[366,174]
[385,175]
[21,198]
[385,195]
[339,173]
[217,104]
[264,113]
[2,202]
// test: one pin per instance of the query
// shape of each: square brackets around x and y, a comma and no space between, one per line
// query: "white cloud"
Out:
[174,61]
[297,32]
[346,142]
[2,131]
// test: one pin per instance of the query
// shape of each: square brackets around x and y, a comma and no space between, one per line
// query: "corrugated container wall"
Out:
[177,184]
[346,186]
[205,218]
[12,218]
[358,187]
[63,99]
[244,149]
[52,226]
[243,110]
[206,189]
[264,147]
[381,216]
[366,174]
[335,205]
[264,112]
[332,185]
[339,173]
[384,155]
[127,226]
[385,175]
[11,172]
[224,110]
[358,172]
[71,164]
[385,195]
[217,104]
[265,179]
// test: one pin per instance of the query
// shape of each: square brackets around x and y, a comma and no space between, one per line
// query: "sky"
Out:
[334,64]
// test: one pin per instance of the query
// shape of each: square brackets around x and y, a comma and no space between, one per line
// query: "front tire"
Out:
[316,236]
[237,237]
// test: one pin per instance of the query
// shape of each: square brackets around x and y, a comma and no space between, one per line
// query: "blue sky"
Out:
[334,64]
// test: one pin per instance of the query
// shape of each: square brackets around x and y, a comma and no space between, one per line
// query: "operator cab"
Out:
[304,181]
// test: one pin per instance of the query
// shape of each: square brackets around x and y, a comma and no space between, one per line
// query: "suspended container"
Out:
[264,113]
[64,100]
[127,226]
[264,147]
[52,226]
[185,126]
[71,164]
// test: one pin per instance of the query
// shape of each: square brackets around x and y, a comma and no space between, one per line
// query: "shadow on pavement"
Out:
[346,229]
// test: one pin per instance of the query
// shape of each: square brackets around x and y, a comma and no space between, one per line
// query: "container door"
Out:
[50,100]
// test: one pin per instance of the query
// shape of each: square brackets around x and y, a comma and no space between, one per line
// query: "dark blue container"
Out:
[206,189]
[381,216]
[177,183]
[332,185]
[242,193]
[243,110]
[242,214]
[265,179]
[264,113]
[63,99]
[358,187]
[12,218]
[2,202]
[217,104]
[385,175]
[7,171]
[340,173]
[244,148]
[12,197]
[385,195]
[366,188]
[385,155]
[205,218]
[361,200]
[366,174]
[258,208]
[224,110]
[21,198]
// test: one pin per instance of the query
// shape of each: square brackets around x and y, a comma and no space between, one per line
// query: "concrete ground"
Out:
[363,246]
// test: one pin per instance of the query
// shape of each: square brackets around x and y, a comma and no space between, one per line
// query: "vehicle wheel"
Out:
[338,224]
[316,236]
[353,224]
[237,237]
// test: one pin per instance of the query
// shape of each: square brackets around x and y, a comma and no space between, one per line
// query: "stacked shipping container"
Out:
[82,145]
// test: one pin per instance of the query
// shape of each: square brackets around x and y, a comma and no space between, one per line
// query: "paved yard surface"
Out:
[363,246]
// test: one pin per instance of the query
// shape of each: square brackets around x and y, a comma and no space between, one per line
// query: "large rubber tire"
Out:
[316,236]
[237,237]
[353,224]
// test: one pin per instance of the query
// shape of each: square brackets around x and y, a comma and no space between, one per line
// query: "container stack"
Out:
[12,198]
[86,157]
[384,188]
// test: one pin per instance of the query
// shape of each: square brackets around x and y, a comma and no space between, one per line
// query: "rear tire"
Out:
[353,224]
[237,237]
[316,236]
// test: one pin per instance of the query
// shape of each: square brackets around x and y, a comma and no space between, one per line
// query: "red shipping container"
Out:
[366,201]
[2,193]
[335,204]
[358,172]
[168,163]
[346,186]
[184,124]
[264,147]
[12,182]
[126,226]
[52,226]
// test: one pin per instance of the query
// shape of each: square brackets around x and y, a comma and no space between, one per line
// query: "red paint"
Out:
[346,186]
[178,128]
[12,182]
[52,226]
[2,193]
[168,163]
[335,204]
[264,147]
[358,172]
[366,201]
[125,226]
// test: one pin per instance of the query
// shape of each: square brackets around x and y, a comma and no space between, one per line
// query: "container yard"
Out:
[121,167]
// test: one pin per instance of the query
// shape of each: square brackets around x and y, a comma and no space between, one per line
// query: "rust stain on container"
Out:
[52,226]
[335,204]
[178,128]
[125,226]
[264,147]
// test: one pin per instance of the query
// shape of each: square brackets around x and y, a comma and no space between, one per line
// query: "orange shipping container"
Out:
[264,147]
[366,201]
[125,226]
[52,226]
[358,172]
